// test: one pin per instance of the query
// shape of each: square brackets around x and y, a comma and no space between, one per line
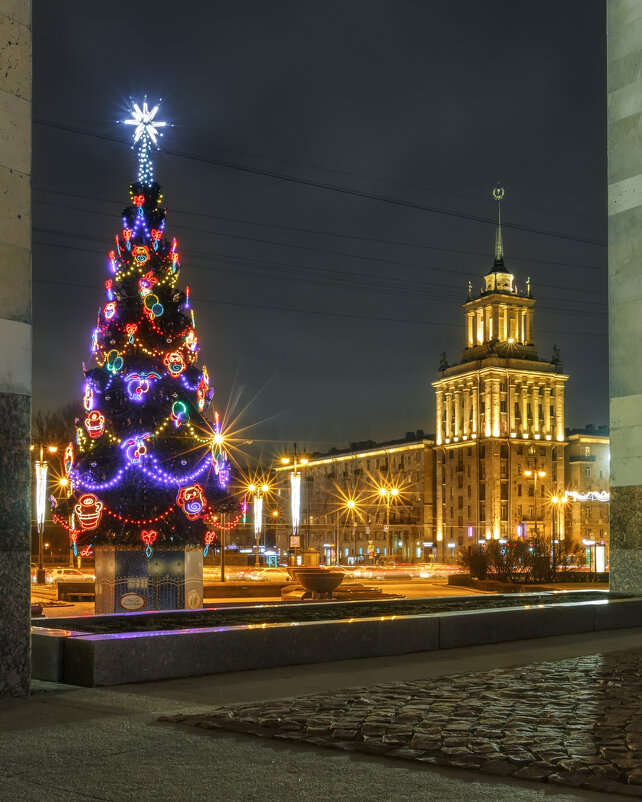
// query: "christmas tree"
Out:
[148,469]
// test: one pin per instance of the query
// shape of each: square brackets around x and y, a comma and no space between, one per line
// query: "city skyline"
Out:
[333,336]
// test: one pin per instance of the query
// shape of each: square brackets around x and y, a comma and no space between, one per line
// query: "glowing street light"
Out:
[41,502]
[388,493]
[535,474]
[295,491]
[258,493]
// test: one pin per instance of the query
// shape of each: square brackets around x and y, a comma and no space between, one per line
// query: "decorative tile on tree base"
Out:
[129,580]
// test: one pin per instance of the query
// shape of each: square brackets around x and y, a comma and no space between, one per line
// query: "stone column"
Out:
[624,54]
[524,409]
[495,401]
[488,408]
[475,392]
[511,407]
[547,410]
[470,321]
[449,413]
[466,427]
[439,415]
[457,402]
[15,358]
[535,408]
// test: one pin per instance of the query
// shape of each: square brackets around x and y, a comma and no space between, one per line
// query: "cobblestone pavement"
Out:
[575,722]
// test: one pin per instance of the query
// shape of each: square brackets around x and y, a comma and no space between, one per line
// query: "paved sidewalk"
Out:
[574,722]
[66,743]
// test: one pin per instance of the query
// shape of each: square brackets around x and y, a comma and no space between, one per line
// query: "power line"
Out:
[323,233]
[334,188]
[247,305]
[327,277]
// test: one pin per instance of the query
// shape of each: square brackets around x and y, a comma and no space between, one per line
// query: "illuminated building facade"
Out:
[587,468]
[499,422]
[373,501]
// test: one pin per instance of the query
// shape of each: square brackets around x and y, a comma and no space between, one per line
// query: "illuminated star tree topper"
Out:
[146,134]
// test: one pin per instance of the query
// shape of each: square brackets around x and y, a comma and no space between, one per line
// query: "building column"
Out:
[488,408]
[524,406]
[449,413]
[466,426]
[547,411]
[470,323]
[475,399]
[15,358]
[495,401]
[511,408]
[624,54]
[535,408]
[457,402]
[439,416]
[559,412]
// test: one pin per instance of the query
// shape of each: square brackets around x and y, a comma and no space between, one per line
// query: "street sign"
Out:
[295,541]
[385,527]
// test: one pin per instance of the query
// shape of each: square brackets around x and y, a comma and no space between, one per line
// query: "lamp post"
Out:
[258,493]
[350,504]
[41,499]
[557,511]
[387,493]
[295,491]
[535,474]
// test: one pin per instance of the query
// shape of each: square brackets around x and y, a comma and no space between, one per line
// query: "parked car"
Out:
[269,575]
[68,575]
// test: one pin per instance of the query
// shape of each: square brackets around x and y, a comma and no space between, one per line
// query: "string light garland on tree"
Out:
[146,451]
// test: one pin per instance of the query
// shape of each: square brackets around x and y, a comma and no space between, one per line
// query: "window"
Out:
[460,502]
[542,451]
[504,512]
[587,451]
[531,490]
[502,406]
[503,451]
[482,492]
[470,491]
[587,471]
[519,490]
[469,452]
[504,491]
[587,512]
[503,471]
[460,481]
[520,450]
[502,387]
[519,511]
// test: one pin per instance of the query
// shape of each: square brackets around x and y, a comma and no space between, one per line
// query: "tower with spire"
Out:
[499,414]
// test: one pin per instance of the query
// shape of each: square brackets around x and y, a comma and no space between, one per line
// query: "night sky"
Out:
[328,176]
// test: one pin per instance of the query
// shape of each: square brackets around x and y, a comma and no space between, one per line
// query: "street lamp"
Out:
[557,510]
[535,474]
[295,493]
[258,493]
[387,493]
[41,500]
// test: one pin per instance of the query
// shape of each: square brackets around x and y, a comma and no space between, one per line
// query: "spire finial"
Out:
[144,137]
[498,194]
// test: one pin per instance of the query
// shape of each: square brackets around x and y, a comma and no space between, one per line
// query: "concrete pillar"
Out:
[440,414]
[547,410]
[535,408]
[458,409]
[475,429]
[15,357]
[512,395]
[449,413]
[624,86]
[466,427]
[524,409]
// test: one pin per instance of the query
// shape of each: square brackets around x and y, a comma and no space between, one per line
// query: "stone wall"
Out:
[624,37]
[15,335]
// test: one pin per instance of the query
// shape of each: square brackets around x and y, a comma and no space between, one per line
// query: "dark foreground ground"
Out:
[67,743]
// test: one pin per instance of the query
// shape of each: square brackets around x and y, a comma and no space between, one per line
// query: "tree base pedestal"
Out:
[128,581]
